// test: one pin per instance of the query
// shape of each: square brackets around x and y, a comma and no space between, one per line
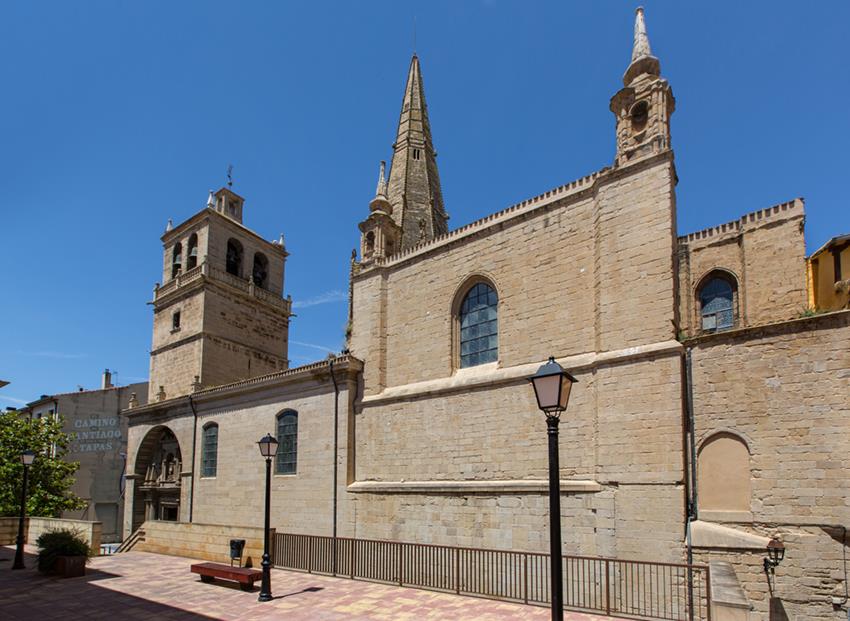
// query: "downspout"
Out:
[336,449]
[692,503]
[194,445]
[693,513]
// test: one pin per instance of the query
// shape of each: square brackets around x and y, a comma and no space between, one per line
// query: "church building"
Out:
[709,415]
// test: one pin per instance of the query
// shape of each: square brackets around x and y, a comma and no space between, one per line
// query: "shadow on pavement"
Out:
[27,594]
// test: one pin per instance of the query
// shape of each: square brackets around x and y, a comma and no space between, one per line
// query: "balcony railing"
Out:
[207,271]
[635,589]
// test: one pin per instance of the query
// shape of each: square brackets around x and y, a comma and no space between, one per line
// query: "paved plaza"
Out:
[138,585]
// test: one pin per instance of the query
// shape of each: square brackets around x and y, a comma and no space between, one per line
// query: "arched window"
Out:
[260,273]
[370,243]
[192,255]
[234,257]
[209,450]
[176,259]
[479,331]
[724,474]
[717,302]
[287,436]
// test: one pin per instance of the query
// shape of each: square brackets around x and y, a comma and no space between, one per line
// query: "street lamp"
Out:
[27,457]
[552,388]
[775,554]
[268,449]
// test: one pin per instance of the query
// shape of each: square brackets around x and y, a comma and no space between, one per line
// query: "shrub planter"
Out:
[63,552]
[70,566]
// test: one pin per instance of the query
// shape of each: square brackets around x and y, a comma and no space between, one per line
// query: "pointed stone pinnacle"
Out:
[643,62]
[381,190]
[641,45]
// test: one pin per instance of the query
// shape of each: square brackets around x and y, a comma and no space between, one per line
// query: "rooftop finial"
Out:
[382,183]
[169,225]
[211,201]
[641,47]
[642,59]
[230,173]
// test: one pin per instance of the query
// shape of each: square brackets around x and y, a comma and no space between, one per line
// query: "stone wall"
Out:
[579,279]
[244,412]
[8,530]
[209,542]
[763,251]
[174,369]
[35,526]
[783,390]
[574,275]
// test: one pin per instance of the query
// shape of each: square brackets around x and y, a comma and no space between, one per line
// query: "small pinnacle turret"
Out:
[642,59]
[644,105]
[381,236]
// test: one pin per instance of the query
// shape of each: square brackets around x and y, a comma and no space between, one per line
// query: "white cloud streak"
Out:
[313,346]
[12,400]
[334,295]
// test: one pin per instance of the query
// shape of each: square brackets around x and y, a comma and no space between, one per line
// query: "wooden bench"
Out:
[243,575]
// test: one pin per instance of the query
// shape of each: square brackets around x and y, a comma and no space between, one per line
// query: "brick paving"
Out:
[139,585]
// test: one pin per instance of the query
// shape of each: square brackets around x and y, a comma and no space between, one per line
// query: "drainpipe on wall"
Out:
[194,443]
[693,513]
[336,450]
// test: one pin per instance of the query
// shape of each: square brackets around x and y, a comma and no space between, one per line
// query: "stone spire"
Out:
[381,190]
[642,59]
[380,202]
[414,184]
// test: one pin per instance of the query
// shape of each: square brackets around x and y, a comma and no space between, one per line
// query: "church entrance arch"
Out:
[158,467]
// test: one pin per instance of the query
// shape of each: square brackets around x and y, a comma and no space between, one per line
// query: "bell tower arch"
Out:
[643,106]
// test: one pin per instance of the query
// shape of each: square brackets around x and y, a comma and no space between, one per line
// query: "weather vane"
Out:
[230,175]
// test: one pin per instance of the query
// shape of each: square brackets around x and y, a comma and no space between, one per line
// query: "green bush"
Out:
[63,542]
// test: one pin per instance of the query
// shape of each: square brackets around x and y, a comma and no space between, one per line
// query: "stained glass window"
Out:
[287,435]
[479,332]
[209,451]
[716,303]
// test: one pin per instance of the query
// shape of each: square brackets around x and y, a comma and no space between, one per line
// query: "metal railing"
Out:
[636,589]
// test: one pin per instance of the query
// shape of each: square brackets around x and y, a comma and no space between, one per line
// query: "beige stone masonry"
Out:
[35,526]
[708,535]
[492,375]
[471,487]
[209,542]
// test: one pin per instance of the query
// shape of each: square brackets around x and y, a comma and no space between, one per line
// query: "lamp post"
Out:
[268,449]
[27,457]
[552,388]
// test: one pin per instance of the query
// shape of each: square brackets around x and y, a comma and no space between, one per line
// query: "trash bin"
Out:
[236,547]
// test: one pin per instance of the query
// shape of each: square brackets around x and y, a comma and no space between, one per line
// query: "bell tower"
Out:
[219,314]
[644,105]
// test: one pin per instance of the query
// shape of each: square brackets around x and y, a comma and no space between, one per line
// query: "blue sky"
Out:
[117,116]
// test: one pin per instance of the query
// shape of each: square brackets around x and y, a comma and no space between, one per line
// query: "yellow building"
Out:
[828,272]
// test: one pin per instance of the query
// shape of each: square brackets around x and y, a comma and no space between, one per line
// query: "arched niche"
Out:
[158,466]
[723,475]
